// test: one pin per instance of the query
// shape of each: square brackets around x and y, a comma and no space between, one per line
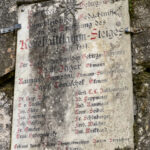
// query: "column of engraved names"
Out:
[90,104]
[23,103]
[28,104]
[89,108]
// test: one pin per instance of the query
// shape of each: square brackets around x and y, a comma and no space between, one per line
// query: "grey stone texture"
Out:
[6,98]
[141,73]
[8,17]
[5,121]
[140,18]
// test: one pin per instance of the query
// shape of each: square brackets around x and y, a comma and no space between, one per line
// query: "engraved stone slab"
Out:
[73,87]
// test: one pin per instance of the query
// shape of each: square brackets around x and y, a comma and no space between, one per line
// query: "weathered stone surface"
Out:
[141,73]
[6,98]
[5,115]
[140,14]
[142,119]
[73,77]
[8,17]
[7,53]
[8,13]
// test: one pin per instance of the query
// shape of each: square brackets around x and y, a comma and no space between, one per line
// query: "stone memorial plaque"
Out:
[73,87]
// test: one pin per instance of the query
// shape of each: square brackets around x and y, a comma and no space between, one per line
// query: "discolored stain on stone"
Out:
[55,104]
[22,2]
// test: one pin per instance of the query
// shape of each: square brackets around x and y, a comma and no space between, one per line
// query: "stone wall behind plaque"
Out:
[140,18]
[8,17]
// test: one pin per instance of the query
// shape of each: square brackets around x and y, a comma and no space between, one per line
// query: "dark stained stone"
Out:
[141,73]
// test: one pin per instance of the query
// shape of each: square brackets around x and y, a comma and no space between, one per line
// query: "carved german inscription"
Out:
[73,87]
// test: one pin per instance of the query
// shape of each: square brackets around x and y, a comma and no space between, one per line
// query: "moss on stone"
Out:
[125,148]
[131,8]
[141,92]
[136,135]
